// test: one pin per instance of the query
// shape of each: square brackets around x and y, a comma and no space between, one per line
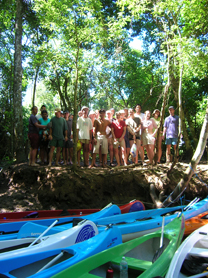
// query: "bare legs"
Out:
[168,152]
[33,153]
[150,152]
[58,151]
[85,155]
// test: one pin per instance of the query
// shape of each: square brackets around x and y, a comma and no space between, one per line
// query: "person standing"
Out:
[33,135]
[57,135]
[118,129]
[139,114]
[109,117]
[134,126]
[100,138]
[156,117]
[171,131]
[149,129]
[84,130]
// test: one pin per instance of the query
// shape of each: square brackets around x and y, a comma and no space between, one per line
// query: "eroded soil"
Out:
[31,188]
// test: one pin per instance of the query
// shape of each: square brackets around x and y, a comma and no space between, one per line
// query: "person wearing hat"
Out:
[57,135]
[171,131]
[156,117]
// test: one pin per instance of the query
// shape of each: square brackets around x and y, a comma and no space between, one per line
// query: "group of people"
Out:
[122,134]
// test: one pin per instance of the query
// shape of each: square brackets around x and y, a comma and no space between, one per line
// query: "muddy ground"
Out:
[23,187]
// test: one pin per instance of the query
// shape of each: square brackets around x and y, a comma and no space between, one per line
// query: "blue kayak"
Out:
[48,263]
[10,230]
[140,223]
[131,225]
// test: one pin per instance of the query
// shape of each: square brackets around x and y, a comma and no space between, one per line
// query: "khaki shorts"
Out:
[84,141]
[147,139]
[116,144]
[103,142]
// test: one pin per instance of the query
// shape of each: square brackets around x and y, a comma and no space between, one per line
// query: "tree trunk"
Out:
[163,105]
[183,184]
[192,128]
[62,98]
[18,119]
[35,84]
[74,124]
[175,86]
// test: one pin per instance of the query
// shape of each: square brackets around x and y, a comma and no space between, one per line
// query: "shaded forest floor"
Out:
[31,188]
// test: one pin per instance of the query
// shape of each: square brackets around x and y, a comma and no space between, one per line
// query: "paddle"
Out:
[199,275]
[109,205]
[194,201]
[52,261]
[161,249]
[40,236]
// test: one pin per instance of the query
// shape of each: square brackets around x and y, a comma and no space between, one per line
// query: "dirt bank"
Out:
[25,188]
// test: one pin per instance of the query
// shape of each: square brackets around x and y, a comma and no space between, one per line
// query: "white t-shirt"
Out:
[84,125]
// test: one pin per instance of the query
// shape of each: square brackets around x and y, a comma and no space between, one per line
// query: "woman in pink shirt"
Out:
[148,136]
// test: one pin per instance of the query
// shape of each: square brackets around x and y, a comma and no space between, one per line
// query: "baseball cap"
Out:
[171,107]
[57,110]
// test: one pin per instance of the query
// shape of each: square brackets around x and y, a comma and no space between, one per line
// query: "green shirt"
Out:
[59,127]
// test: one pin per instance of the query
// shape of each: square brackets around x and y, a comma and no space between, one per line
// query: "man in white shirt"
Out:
[84,134]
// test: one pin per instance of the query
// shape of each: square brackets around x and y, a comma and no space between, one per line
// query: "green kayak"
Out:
[147,256]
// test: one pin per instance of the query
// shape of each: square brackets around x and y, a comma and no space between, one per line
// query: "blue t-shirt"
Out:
[43,122]
[172,123]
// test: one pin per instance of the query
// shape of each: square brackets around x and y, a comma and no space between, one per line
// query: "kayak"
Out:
[147,256]
[131,225]
[25,246]
[139,223]
[134,205]
[10,230]
[195,222]
[48,263]
[191,258]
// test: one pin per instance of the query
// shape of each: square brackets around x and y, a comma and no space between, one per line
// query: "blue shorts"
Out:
[171,141]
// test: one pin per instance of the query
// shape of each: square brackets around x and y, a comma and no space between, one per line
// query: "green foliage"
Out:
[79,50]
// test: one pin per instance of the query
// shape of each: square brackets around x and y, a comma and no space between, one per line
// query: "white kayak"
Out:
[25,246]
[191,258]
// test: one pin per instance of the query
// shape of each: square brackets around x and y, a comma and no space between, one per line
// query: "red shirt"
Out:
[118,128]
